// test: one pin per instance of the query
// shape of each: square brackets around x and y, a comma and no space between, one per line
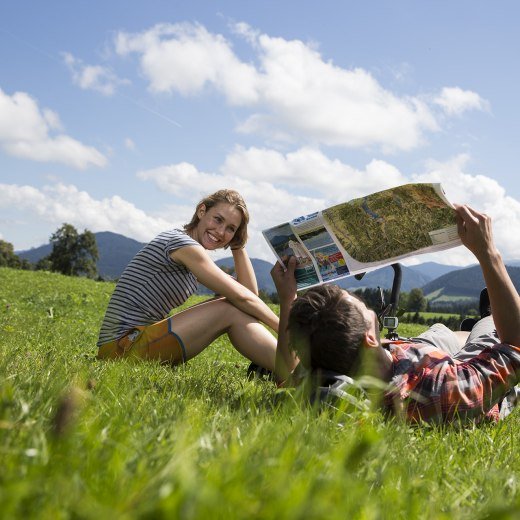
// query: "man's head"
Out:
[329,327]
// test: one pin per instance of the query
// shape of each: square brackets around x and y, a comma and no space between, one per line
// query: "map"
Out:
[366,233]
[389,223]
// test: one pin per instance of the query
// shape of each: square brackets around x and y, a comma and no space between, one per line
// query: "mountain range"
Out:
[437,281]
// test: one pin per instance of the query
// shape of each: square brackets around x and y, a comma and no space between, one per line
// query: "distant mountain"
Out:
[433,270]
[384,278]
[115,251]
[262,271]
[36,253]
[464,282]
[381,278]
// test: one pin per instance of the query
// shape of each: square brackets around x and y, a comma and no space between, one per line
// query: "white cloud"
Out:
[60,203]
[129,144]
[303,95]
[25,132]
[328,104]
[455,101]
[180,180]
[245,31]
[268,205]
[309,169]
[483,194]
[186,57]
[276,187]
[93,77]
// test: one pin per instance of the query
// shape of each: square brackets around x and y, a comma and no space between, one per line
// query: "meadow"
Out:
[83,439]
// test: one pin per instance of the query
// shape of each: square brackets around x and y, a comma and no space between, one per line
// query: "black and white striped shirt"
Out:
[150,287]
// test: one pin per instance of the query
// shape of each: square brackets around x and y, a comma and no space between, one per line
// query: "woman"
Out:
[164,274]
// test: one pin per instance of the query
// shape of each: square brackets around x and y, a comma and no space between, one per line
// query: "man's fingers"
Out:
[291,264]
[276,269]
[470,217]
[460,225]
[477,216]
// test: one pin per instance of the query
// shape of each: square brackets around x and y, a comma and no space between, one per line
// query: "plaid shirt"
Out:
[429,385]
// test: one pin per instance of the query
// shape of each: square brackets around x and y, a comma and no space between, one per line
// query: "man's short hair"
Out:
[327,330]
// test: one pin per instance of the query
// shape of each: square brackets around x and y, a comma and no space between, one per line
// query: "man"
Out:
[330,330]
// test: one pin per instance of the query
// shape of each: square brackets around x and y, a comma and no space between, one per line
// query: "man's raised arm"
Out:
[285,283]
[475,232]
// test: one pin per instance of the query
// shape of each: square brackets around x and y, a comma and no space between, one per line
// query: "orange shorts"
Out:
[155,341]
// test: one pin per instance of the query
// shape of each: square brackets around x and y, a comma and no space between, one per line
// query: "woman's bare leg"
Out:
[200,325]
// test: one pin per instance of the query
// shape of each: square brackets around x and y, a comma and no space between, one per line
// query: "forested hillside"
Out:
[465,282]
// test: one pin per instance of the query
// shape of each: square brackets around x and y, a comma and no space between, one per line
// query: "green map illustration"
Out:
[389,223]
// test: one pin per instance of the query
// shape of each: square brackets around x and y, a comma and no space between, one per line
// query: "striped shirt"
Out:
[150,287]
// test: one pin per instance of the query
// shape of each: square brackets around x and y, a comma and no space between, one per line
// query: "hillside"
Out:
[165,436]
[262,272]
[384,278]
[464,282]
[115,251]
[432,270]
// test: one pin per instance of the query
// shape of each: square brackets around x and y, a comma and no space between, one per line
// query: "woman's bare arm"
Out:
[209,274]
[244,270]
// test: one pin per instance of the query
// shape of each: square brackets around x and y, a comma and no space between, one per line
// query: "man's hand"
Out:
[285,283]
[475,232]
[284,279]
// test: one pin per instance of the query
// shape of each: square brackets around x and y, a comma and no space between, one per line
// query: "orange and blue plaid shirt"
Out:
[434,387]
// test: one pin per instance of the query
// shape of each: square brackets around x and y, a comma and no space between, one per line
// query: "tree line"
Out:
[73,254]
[412,302]
[76,254]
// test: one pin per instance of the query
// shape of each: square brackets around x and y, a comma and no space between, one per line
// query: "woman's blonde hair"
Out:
[228,197]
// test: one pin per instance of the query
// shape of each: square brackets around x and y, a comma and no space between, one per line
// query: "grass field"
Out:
[432,314]
[427,315]
[84,439]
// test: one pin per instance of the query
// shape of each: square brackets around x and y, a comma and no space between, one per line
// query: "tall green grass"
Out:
[81,438]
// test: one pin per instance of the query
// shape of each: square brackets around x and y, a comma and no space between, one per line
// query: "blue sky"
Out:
[120,116]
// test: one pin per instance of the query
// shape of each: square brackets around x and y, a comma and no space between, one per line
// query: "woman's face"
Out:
[217,225]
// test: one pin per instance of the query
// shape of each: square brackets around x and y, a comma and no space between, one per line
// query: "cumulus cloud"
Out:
[291,86]
[275,185]
[60,203]
[25,131]
[311,169]
[129,144]
[455,101]
[482,193]
[181,179]
[186,57]
[93,77]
